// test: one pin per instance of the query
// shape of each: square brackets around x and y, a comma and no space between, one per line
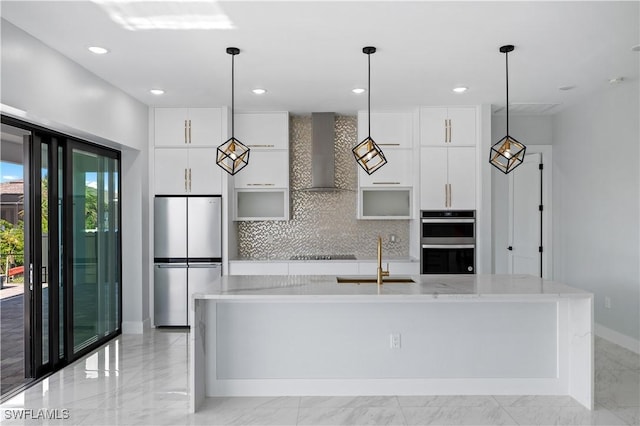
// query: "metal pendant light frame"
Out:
[367,153]
[232,156]
[507,153]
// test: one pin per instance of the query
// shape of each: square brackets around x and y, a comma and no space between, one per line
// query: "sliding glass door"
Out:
[72,267]
[94,236]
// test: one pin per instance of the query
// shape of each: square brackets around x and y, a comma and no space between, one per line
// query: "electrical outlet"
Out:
[395,341]
[607,302]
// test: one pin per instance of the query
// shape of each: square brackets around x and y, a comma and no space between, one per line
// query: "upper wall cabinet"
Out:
[388,129]
[193,171]
[263,130]
[261,190]
[387,193]
[176,127]
[440,126]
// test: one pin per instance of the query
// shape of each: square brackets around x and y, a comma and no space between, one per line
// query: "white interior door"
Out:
[524,217]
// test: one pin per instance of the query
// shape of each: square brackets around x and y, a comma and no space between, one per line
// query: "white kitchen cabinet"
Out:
[261,204]
[179,171]
[323,268]
[396,267]
[261,189]
[263,130]
[455,126]
[397,172]
[188,127]
[387,193]
[388,129]
[447,178]
[244,267]
[385,203]
[266,169]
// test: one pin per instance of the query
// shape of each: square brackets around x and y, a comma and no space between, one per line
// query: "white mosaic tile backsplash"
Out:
[322,222]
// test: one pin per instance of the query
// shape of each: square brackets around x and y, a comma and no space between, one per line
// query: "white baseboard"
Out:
[136,327]
[618,338]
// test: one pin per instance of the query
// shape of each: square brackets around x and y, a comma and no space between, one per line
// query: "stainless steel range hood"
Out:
[323,167]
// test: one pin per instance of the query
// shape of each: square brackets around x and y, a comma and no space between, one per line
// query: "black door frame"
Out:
[33,321]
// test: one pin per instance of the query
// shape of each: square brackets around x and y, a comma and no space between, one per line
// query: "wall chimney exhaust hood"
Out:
[323,166]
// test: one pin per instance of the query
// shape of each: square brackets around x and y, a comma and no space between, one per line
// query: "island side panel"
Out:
[198,352]
[491,347]
[580,348]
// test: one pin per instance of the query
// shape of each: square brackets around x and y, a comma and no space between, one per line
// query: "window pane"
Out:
[95,247]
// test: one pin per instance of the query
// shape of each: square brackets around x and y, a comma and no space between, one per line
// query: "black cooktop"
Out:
[323,257]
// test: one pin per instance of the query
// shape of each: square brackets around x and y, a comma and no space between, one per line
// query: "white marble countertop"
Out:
[292,287]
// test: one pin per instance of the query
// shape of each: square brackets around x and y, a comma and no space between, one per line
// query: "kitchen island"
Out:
[438,335]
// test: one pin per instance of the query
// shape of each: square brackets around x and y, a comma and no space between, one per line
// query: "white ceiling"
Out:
[308,55]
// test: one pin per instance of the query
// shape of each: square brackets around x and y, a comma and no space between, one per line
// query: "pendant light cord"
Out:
[369,93]
[233,57]
[506,60]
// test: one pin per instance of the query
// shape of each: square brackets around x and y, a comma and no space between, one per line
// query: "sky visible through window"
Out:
[10,172]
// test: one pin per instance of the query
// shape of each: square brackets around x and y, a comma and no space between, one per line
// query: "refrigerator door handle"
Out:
[172,265]
[205,265]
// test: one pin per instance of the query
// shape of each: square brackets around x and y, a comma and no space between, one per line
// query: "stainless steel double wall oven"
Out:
[448,241]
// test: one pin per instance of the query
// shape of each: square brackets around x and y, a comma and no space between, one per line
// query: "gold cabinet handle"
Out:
[261,184]
[185,135]
[386,183]
[446,195]
[260,146]
[450,196]
[189,179]
[446,130]
[185,181]
[450,130]
[189,131]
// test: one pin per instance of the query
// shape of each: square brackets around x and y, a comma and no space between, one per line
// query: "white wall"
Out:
[597,204]
[533,131]
[43,87]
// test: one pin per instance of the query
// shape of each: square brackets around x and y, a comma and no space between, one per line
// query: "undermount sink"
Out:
[373,280]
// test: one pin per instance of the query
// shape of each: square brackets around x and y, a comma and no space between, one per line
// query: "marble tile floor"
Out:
[142,380]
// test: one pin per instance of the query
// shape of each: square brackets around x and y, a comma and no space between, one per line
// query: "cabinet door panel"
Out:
[170,167]
[388,129]
[462,178]
[263,130]
[433,178]
[266,169]
[206,127]
[463,126]
[206,175]
[170,126]
[432,126]
[397,171]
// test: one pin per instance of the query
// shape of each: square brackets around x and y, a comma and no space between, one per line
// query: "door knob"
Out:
[510,248]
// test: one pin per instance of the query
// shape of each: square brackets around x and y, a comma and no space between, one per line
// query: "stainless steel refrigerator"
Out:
[187,253]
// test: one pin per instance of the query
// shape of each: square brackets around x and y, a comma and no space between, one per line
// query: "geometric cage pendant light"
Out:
[507,153]
[367,153]
[232,155]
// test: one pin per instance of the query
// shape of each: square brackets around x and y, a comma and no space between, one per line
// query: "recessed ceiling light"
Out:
[460,89]
[358,90]
[98,50]
[616,80]
[636,48]
[567,87]
[259,91]
[157,92]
